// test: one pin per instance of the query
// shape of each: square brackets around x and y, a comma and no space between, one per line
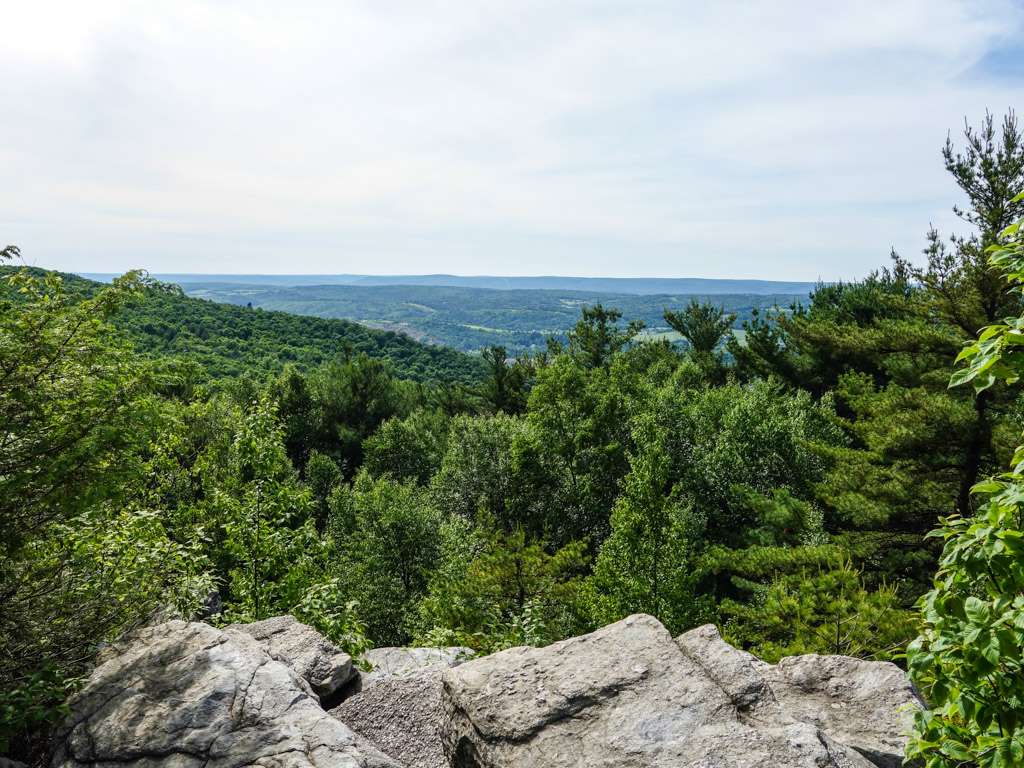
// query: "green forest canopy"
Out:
[228,340]
[470,318]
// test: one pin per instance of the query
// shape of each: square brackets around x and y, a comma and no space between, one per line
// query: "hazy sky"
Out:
[790,140]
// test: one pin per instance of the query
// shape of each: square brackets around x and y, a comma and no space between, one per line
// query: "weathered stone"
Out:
[627,696]
[190,696]
[305,650]
[739,674]
[868,705]
[401,716]
[398,706]
[186,695]
[402,662]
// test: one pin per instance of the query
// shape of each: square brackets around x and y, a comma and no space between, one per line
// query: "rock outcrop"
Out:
[186,695]
[629,696]
[399,706]
[305,650]
[864,704]
[402,662]
[867,705]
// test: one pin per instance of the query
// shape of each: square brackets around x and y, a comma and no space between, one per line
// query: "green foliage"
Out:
[478,469]
[506,591]
[388,554]
[727,442]
[68,401]
[299,411]
[702,325]
[352,399]
[229,340]
[325,607]
[267,519]
[827,611]
[598,336]
[504,387]
[880,348]
[575,449]
[36,704]
[322,478]
[408,449]
[649,562]
[76,567]
[969,659]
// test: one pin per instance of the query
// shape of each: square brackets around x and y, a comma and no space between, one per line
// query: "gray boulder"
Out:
[739,674]
[401,717]
[186,695]
[399,706]
[305,650]
[867,705]
[629,696]
[402,662]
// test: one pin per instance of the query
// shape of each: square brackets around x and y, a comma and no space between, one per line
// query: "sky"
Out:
[786,140]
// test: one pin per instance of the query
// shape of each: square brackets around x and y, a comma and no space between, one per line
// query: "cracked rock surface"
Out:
[629,695]
[867,705]
[305,650]
[188,695]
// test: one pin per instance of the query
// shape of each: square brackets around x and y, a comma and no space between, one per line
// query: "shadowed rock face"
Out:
[399,706]
[629,695]
[401,716]
[189,695]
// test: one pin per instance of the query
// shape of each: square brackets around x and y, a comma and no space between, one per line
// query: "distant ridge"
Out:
[639,286]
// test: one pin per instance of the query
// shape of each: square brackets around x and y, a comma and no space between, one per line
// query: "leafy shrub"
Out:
[969,659]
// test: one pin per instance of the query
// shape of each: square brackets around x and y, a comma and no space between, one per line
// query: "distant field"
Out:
[469,319]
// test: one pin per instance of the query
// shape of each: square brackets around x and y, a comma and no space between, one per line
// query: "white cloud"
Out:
[661,138]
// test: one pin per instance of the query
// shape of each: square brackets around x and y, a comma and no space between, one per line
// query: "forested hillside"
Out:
[470,318]
[227,341]
[782,483]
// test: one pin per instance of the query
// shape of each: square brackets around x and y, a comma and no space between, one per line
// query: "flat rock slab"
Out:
[187,695]
[628,696]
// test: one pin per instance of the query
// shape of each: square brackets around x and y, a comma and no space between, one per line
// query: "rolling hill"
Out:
[228,340]
[469,319]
